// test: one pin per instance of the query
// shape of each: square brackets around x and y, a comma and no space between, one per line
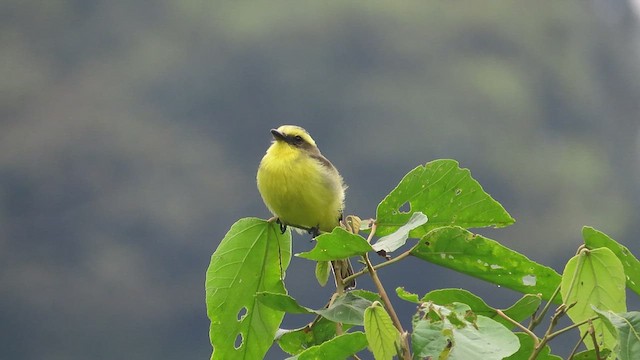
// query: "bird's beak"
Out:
[277,135]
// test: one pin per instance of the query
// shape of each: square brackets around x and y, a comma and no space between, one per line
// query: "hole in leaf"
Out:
[239,340]
[242,313]
[405,208]
[458,191]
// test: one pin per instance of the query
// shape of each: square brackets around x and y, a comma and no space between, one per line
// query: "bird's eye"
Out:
[298,139]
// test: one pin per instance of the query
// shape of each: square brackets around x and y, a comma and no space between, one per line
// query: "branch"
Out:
[406,354]
[536,340]
[387,303]
[378,266]
[537,319]
[592,332]
[575,348]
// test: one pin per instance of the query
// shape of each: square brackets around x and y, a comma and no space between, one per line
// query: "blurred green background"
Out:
[130,134]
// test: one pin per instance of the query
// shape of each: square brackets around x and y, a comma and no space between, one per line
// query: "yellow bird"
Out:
[301,187]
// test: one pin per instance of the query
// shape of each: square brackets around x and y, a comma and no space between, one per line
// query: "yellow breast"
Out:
[299,189]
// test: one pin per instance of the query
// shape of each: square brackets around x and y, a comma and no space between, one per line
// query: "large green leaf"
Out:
[382,336]
[337,348]
[339,244]
[458,249]
[626,328]
[451,332]
[595,239]
[445,193]
[594,278]
[251,258]
[348,309]
[519,311]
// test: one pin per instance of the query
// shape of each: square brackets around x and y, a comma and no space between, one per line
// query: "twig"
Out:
[536,340]
[571,327]
[378,266]
[592,332]
[547,335]
[575,348]
[387,303]
[406,354]
[538,318]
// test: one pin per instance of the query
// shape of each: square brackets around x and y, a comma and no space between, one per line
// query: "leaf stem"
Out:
[406,354]
[378,266]
[592,332]
[536,340]
[575,348]
[538,318]
[570,327]
[581,250]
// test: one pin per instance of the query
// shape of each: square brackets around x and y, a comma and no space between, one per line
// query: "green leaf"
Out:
[393,241]
[526,349]
[626,329]
[519,311]
[429,338]
[382,336]
[451,296]
[369,295]
[348,309]
[337,348]
[322,272]
[251,258]
[407,296]
[450,332]
[295,341]
[591,354]
[444,192]
[339,244]
[523,308]
[594,278]
[282,302]
[458,249]
[595,239]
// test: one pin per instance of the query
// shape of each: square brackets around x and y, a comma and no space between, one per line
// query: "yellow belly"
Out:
[300,191]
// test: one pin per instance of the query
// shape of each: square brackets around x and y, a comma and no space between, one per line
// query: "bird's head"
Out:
[294,136]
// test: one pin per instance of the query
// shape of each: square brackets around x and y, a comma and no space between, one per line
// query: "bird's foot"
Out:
[283,227]
[314,231]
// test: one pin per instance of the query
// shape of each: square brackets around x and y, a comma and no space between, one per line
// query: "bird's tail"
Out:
[343,269]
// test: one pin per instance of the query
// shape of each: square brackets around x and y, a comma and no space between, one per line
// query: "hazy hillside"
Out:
[130,134]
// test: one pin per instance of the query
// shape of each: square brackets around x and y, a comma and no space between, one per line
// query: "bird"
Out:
[302,188]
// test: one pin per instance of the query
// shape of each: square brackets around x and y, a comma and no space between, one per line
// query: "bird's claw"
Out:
[314,231]
[283,227]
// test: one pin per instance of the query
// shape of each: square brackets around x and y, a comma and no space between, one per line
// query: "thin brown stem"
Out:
[406,354]
[547,335]
[378,266]
[387,303]
[570,327]
[520,326]
[575,348]
[538,318]
[595,341]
